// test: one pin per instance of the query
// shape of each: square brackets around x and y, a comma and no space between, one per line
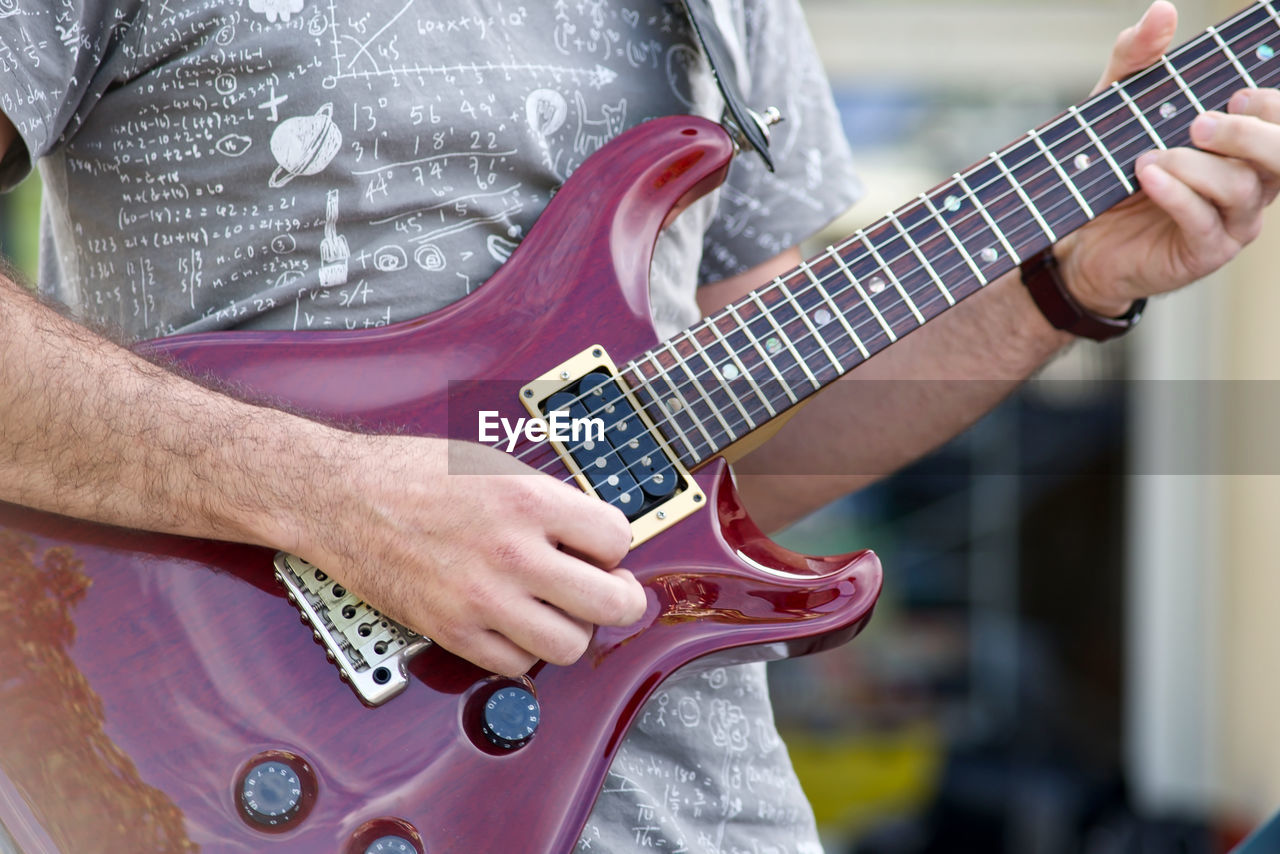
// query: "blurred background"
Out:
[1076,649]
[1077,645]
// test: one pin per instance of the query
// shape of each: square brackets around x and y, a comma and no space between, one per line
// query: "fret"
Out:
[717,372]
[746,372]
[964,253]
[1252,38]
[937,280]
[866,241]
[1211,69]
[836,312]
[1165,101]
[678,396]
[1087,170]
[1155,137]
[1062,173]
[1106,153]
[764,357]
[813,330]
[1275,17]
[1022,194]
[986,215]
[695,376]
[786,340]
[1235,60]
[1182,84]
[666,416]
[862,294]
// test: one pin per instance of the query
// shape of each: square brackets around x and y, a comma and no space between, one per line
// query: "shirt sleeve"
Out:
[762,214]
[56,60]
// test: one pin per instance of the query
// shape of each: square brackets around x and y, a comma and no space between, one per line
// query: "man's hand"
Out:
[1198,206]
[498,563]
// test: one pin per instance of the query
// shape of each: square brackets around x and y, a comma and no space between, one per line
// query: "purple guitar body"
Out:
[148,682]
[142,676]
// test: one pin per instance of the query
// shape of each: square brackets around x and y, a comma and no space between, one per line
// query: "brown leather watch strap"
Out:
[1044,281]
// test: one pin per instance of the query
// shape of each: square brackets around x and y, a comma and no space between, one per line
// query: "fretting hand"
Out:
[1198,206]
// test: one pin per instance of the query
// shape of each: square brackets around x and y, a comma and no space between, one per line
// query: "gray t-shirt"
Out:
[306,165]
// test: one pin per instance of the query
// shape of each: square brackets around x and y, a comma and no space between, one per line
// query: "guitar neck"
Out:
[717,381]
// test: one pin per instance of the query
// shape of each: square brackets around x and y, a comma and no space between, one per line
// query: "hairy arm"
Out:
[88,429]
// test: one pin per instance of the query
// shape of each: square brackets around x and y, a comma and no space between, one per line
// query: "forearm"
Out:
[90,430]
[895,408]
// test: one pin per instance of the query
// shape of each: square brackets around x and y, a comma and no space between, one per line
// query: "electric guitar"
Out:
[159,694]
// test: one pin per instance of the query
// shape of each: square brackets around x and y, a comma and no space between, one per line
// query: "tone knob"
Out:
[510,717]
[271,794]
[391,845]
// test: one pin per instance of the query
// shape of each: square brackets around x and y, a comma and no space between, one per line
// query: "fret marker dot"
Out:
[729,371]
[951,203]
[821,317]
[876,285]
[1265,52]
[625,498]
[1168,110]
[674,404]
[773,345]
[989,255]
[1082,161]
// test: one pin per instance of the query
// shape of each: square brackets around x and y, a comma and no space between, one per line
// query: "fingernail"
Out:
[1204,127]
[1144,161]
[1240,101]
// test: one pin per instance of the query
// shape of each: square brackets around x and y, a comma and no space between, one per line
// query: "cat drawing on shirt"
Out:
[594,133]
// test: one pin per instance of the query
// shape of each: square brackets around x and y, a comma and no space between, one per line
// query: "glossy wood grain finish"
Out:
[139,673]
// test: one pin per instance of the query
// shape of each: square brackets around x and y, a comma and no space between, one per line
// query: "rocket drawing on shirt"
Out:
[334,251]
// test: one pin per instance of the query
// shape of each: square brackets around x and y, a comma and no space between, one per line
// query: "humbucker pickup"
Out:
[370,649]
[625,460]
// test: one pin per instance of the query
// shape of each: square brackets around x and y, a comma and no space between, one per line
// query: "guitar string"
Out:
[930,286]
[813,282]
[809,284]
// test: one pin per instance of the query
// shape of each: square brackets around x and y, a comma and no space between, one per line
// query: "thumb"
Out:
[1142,44]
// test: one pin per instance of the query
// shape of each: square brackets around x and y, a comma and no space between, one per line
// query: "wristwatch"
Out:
[1043,279]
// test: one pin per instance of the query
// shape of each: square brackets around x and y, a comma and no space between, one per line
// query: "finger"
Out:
[1264,106]
[1142,44]
[584,592]
[548,633]
[1196,217]
[586,526]
[490,651]
[1231,185]
[1259,103]
[1245,137]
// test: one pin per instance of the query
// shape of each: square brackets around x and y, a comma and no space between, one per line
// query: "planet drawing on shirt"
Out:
[304,145]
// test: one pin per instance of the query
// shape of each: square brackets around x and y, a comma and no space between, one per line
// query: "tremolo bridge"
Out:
[370,650]
[618,455]
[613,449]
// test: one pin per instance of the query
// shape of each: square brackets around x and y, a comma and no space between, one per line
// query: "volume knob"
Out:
[271,794]
[510,717]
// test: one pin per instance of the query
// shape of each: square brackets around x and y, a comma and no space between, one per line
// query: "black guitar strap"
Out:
[749,127]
